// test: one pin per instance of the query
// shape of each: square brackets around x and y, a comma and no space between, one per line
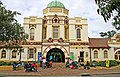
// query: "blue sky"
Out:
[83,8]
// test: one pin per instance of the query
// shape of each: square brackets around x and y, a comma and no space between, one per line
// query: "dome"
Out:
[55,4]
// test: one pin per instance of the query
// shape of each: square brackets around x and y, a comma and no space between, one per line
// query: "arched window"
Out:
[3,54]
[117,55]
[95,54]
[32,34]
[78,33]
[105,54]
[14,52]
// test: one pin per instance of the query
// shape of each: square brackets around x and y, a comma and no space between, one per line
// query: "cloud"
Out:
[83,8]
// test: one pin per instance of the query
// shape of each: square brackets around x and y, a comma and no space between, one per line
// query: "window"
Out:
[117,55]
[55,32]
[31,53]
[32,34]
[105,54]
[3,54]
[14,53]
[95,54]
[78,33]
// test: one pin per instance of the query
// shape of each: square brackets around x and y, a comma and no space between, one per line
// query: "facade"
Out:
[58,35]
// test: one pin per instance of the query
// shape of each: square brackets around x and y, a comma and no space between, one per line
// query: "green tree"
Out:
[107,34]
[11,32]
[109,9]
[10,29]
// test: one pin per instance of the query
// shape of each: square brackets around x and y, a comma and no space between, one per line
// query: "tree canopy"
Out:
[10,29]
[110,9]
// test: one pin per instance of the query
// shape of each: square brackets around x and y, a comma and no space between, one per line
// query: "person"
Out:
[56,58]
[86,66]
[40,61]
[51,58]
[29,66]
[67,63]
[14,66]
[70,61]
[19,64]
[78,61]
[26,67]
[50,64]
[44,63]
[34,67]
[59,59]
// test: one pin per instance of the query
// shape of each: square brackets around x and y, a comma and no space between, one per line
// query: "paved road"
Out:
[110,75]
[58,70]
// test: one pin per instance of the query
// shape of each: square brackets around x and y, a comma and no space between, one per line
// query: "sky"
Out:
[83,8]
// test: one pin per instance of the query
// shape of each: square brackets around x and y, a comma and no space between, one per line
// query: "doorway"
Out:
[82,56]
[57,55]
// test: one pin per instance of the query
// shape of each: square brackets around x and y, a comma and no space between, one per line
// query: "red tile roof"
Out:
[99,42]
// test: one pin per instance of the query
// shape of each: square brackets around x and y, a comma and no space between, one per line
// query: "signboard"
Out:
[107,63]
[71,55]
[39,54]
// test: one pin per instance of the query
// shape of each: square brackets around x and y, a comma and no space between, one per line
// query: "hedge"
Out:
[103,63]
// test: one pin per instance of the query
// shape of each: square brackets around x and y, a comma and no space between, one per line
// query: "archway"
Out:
[57,54]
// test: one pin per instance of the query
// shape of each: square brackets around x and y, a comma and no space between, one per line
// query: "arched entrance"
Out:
[57,54]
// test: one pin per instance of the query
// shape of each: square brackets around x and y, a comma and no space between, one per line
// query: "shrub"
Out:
[114,63]
[102,63]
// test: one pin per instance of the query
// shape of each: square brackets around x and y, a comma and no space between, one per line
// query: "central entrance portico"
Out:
[57,55]
[59,52]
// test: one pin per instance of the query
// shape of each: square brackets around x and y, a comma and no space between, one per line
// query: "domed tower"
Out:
[55,7]
[55,21]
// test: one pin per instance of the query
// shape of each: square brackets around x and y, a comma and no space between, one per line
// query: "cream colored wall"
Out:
[111,54]
[62,33]
[38,28]
[82,22]
[113,45]
[49,31]
[77,53]
[38,33]
[84,33]
[72,33]
[24,55]
[26,28]
[53,13]
[9,55]
[101,54]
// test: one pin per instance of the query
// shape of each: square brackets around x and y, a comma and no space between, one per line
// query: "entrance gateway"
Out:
[57,54]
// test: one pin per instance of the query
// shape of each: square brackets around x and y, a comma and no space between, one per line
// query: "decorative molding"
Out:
[78,26]
[44,20]
[79,43]
[55,19]
[32,25]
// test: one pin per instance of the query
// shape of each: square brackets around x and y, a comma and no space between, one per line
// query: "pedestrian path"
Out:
[59,70]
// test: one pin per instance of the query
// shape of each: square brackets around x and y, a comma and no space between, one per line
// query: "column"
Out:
[49,31]
[62,31]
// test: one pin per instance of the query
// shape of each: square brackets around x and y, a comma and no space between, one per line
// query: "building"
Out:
[57,34]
